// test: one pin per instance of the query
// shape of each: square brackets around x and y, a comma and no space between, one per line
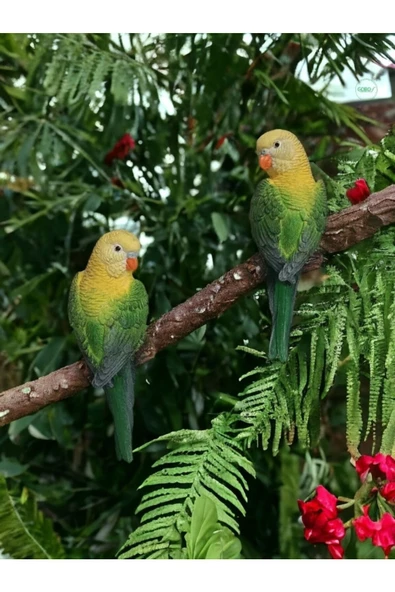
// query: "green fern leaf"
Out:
[208,463]
[24,532]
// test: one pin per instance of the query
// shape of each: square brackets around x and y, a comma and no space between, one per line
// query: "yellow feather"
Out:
[290,171]
[106,277]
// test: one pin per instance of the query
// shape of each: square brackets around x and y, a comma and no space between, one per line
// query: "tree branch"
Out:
[344,229]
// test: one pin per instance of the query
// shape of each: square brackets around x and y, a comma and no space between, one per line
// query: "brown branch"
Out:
[343,230]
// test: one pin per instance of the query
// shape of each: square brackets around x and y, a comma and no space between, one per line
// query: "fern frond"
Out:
[79,68]
[24,532]
[287,396]
[207,462]
[388,439]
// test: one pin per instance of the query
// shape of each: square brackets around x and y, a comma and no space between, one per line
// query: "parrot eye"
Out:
[277,144]
[117,248]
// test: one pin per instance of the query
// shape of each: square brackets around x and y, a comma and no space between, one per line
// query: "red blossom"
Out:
[322,525]
[121,149]
[117,182]
[380,466]
[382,532]
[388,492]
[359,192]
[221,140]
[336,550]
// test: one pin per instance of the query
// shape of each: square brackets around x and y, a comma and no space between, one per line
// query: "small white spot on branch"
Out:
[237,276]
[4,413]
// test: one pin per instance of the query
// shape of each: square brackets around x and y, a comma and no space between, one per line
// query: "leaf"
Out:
[207,539]
[10,467]
[194,340]
[204,463]
[221,225]
[40,428]
[47,359]
[203,524]
[17,426]
[224,545]
[24,531]
[30,285]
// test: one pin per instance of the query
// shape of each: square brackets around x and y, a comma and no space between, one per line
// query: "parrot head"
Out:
[280,151]
[117,251]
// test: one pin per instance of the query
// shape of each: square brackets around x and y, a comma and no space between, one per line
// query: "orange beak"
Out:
[132,264]
[265,161]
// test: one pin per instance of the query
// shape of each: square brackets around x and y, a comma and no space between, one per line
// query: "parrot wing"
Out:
[266,213]
[109,342]
[310,237]
[285,238]
[77,316]
[123,333]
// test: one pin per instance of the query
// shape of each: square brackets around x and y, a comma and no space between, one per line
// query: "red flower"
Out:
[322,525]
[380,466]
[388,492]
[359,192]
[121,149]
[117,182]
[382,531]
[221,140]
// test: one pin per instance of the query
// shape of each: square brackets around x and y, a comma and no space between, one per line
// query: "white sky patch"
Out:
[186,48]
[92,218]
[137,172]
[19,82]
[169,159]
[210,262]
[197,180]
[125,223]
[242,53]
[166,106]
[145,241]
[376,78]
[268,42]
[164,193]
[125,40]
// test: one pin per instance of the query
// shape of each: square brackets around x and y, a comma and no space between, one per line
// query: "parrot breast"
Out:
[98,291]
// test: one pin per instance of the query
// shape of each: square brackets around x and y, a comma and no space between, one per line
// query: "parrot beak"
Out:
[265,161]
[131,261]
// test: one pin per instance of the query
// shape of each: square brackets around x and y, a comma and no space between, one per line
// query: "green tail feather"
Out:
[281,302]
[120,399]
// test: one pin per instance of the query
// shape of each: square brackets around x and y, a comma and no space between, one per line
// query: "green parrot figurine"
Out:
[287,216]
[108,311]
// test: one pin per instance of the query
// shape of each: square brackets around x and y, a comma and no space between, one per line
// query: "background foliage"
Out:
[195,105]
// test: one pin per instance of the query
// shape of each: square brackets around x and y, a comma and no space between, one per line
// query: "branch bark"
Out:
[344,229]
